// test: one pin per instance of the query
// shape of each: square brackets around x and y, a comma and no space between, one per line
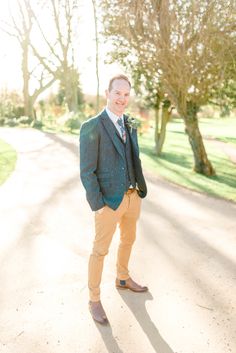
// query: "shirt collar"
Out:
[113,116]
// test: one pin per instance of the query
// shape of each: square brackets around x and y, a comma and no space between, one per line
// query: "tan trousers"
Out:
[106,221]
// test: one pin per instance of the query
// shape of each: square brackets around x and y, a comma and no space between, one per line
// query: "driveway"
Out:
[185,252]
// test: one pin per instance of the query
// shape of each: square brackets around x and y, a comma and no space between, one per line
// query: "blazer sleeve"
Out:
[89,148]
[138,167]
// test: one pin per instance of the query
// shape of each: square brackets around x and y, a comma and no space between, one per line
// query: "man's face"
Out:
[118,97]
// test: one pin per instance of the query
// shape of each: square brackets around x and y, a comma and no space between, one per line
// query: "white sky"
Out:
[10,59]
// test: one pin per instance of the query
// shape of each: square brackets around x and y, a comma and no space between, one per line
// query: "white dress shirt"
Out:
[114,119]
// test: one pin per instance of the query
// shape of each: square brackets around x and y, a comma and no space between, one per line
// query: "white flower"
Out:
[132,123]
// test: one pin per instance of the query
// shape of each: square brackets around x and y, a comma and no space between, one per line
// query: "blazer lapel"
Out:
[112,132]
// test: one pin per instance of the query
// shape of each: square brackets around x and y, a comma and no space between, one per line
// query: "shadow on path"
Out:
[192,238]
[71,146]
[204,257]
[36,215]
[108,338]
[136,304]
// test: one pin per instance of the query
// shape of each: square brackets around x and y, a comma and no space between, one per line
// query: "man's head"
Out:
[118,94]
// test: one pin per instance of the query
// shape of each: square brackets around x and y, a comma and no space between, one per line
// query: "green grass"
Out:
[223,129]
[176,162]
[7,160]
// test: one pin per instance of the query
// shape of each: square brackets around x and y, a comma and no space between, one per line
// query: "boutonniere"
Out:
[132,123]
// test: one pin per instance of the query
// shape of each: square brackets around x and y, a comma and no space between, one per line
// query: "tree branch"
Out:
[45,38]
[57,22]
[8,33]
[42,60]
[42,88]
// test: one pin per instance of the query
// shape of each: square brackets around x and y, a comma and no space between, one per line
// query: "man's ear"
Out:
[106,92]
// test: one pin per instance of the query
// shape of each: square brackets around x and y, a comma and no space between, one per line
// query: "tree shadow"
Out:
[193,195]
[227,179]
[71,146]
[174,159]
[36,215]
[190,238]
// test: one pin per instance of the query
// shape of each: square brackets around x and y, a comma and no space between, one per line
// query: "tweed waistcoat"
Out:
[130,175]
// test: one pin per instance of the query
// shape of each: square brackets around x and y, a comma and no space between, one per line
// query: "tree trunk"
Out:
[71,98]
[160,136]
[28,107]
[201,163]
[69,82]
[156,132]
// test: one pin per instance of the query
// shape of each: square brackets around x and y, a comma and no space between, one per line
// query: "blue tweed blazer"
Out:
[103,164]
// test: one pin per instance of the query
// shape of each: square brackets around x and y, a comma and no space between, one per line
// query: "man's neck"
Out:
[114,113]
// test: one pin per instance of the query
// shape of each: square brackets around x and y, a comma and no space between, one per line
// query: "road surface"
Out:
[185,252]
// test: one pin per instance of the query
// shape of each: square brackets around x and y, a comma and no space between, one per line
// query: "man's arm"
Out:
[139,172]
[89,146]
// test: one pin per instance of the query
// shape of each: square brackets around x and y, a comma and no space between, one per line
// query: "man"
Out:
[111,173]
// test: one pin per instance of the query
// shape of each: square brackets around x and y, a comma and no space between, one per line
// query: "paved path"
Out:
[185,252]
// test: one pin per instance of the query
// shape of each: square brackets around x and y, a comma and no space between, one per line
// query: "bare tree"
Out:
[58,58]
[188,44]
[20,27]
[52,52]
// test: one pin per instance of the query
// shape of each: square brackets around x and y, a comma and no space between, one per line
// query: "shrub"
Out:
[11,104]
[74,120]
[25,120]
[37,124]
[11,122]
[18,111]
[73,123]
[2,121]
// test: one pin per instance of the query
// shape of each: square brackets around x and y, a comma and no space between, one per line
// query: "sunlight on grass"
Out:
[223,129]
[176,162]
[7,160]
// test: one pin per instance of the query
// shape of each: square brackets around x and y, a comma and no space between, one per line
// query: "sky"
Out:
[10,59]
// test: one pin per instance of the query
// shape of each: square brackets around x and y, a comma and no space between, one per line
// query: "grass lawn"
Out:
[7,160]
[176,162]
[223,129]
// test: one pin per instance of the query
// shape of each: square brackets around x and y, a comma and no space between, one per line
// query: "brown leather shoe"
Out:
[130,284]
[97,312]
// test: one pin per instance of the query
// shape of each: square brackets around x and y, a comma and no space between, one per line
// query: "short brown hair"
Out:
[118,77]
